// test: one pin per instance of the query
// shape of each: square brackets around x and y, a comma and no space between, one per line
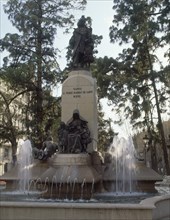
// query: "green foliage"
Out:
[105,131]
[139,70]
[32,61]
[100,70]
[143,25]
[9,115]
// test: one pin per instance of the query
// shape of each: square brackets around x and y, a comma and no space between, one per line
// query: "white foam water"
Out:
[24,164]
[123,152]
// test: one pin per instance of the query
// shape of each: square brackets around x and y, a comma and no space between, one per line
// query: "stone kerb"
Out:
[76,211]
[79,92]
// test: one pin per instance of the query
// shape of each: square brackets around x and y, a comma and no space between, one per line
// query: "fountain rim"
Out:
[82,205]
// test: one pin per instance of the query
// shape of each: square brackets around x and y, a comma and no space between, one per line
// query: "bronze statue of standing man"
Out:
[81,44]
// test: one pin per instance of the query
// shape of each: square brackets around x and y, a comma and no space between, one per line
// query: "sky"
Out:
[101,13]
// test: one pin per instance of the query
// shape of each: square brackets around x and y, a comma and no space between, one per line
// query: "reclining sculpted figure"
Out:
[47,150]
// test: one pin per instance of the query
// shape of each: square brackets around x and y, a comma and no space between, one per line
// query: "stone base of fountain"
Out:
[63,176]
[71,176]
[144,180]
[12,177]
[79,176]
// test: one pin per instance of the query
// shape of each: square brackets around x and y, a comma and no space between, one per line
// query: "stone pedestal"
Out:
[71,167]
[79,92]
[12,176]
[143,180]
[71,176]
[146,178]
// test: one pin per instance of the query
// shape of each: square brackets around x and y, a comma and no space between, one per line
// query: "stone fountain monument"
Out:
[74,164]
[73,168]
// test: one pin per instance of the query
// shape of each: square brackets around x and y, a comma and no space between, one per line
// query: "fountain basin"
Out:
[72,211]
[155,208]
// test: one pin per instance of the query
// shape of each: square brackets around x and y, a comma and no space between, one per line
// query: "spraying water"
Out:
[24,163]
[122,151]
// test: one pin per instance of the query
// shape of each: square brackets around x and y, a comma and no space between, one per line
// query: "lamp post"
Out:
[168,144]
[146,145]
[168,141]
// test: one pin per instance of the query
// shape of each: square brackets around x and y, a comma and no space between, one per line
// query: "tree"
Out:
[143,25]
[10,114]
[100,69]
[31,51]
[105,131]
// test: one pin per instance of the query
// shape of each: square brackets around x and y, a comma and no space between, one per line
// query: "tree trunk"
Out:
[14,151]
[39,96]
[160,125]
